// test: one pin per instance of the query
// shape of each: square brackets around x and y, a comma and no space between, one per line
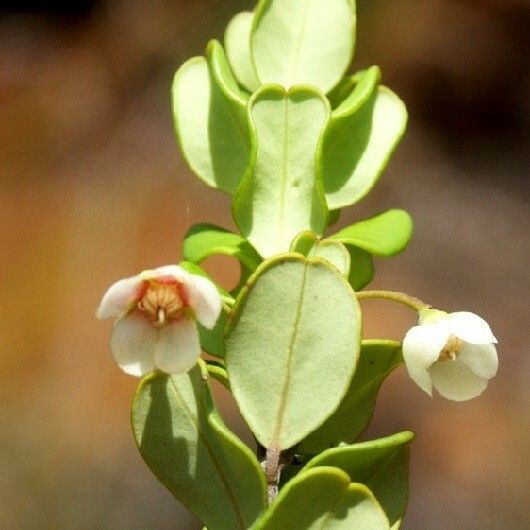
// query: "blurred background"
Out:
[92,188]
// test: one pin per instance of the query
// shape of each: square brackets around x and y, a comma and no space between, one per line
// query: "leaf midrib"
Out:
[293,63]
[284,173]
[289,364]
[217,466]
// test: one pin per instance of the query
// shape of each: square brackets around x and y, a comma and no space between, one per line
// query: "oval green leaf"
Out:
[237,44]
[362,269]
[365,83]
[303,41]
[290,355]
[358,146]
[382,465]
[217,371]
[211,121]
[337,255]
[283,195]
[205,240]
[184,442]
[377,360]
[324,498]
[310,245]
[386,234]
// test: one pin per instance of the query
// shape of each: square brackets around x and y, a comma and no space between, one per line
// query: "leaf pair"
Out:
[362,486]
[384,235]
[185,443]
[350,250]
[286,345]
[292,42]
[284,154]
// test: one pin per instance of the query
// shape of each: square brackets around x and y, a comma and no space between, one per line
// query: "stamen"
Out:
[453,346]
[161,302]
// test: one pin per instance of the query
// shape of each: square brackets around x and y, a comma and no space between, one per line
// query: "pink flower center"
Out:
[162,302]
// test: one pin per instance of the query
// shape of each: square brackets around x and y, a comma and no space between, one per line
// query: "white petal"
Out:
[118,297]
[132,343]
[170,271]
[421,347]
[177,348]
[470,328]
[204,299]
[480,359]
[454,380]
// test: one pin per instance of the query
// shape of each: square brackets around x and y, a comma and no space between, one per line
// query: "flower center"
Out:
[453,346]
[162,302]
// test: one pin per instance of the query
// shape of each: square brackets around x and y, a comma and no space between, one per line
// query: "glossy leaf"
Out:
[237,44]
[386,234]
[186,445]
[377,360]
[324,498]
[283,195]
[287,344]
[362,269]
[211,121]
[382,465]
[358,145]
[303,41]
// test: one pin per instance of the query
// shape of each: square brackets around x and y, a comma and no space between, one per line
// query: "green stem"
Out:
[394,296]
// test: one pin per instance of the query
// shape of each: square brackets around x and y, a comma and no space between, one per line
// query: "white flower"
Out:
[156,312]
[453,352]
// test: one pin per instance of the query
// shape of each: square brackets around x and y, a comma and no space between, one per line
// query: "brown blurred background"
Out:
[92,188]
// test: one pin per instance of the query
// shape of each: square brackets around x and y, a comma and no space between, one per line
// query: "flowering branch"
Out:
[272,119]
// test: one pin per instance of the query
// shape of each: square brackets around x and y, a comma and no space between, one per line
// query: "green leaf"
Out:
[211,121]
[308,244]
[361,268]
[237,44]
[222,73]
[382,465]
[377,360]
[358,145]
[304,242]
[303,41]
[205,240]
[212,340]
[290,355]
[186,445]
[324,498]
[218,372]
[337,255]
[365,83]
[283,195]
[333,217]
[193,268]
[386,234]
